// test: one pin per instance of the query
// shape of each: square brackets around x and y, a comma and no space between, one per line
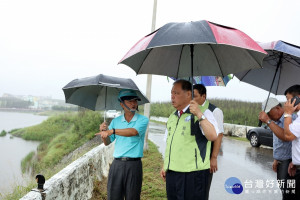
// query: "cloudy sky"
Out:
[46,44]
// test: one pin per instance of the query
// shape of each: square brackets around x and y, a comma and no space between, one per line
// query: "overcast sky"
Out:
[46,44]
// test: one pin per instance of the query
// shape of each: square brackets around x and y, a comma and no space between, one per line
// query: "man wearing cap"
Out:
[273,116]
[128,130]
[292,133]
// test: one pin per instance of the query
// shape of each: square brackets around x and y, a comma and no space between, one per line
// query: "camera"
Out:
[297,100]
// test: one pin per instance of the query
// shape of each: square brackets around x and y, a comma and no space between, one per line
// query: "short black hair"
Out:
[201,89]
[185,85]
[293,90]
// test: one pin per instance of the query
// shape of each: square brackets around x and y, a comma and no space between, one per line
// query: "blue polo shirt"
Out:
[131,147]
[282,150]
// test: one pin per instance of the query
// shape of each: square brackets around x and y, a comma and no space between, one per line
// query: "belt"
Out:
[127,159]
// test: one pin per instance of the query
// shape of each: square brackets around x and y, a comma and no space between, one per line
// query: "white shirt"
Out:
[218,114]
[295,129]
[209,116]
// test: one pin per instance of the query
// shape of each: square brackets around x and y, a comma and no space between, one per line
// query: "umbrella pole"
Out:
[277,67]
[192,67]
[192,75]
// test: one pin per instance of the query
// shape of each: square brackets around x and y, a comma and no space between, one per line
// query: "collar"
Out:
[204,106]
[185,110]
[134,118]
[281,119]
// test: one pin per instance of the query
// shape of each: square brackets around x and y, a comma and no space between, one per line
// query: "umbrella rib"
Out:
[245,75]
[217,60]
[144,61]
[179,61]
[279,71]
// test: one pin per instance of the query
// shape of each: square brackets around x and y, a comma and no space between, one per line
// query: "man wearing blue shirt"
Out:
[282,149]
[128,130]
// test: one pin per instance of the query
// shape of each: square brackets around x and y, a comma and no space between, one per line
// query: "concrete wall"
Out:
[76,181]
[236,130]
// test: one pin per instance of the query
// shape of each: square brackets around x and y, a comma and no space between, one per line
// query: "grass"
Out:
[153,186]
[238,138]
[25,163]
[3,133]
[158,122]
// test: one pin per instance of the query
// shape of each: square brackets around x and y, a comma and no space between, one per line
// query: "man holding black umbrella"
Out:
[126,173]
[187,156]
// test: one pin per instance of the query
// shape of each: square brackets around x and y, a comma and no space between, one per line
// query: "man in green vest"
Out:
[187,155]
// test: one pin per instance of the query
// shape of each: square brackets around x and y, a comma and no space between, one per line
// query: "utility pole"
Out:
[149,80]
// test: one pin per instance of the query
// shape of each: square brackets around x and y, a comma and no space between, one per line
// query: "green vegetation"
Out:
[25,163]
[65,108]
[153,186]
[59,135]
[235,112]
[3,133]
[239,138]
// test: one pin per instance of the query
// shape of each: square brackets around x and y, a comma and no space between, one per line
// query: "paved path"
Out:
[238,159]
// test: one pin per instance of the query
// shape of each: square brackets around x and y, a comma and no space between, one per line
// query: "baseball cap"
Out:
[272,102]
[128,94]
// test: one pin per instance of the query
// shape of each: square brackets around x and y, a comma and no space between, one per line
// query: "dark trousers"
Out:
[283,176]
[125,180]
[210,176]
[187,185]
[297,189]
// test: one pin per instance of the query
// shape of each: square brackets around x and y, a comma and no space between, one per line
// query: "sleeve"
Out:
[295,127]
[218,114]
[141,125]
[210,117]
[111,126]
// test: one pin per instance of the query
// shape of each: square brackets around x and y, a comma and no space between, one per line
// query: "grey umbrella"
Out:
[99,92]
[281,68]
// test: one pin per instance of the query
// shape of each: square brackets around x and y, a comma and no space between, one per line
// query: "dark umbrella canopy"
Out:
[99,92]
[218,51]
[281,68]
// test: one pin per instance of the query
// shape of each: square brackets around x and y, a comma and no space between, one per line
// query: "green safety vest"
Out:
[186,152]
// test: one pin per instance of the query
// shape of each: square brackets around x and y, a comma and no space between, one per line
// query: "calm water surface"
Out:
[13,150]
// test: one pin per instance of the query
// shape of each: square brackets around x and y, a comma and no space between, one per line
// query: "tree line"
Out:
[12,102]
[235,112]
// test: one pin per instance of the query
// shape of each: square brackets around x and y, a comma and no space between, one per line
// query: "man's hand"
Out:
[163,174]
[263,117]
[289,107]
[292,169]
[194,108]
[103,126]
[105,134]
[274,166]
[213,165]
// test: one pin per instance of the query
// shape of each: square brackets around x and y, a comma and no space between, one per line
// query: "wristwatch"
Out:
[202,118]
[269,122]
[287,115]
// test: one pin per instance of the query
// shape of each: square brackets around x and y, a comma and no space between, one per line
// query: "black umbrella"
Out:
[99,92]
[199,48]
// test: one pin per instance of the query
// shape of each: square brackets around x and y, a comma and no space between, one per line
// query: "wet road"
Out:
[252,166]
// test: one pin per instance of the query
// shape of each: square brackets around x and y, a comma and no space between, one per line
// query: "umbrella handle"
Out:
[259,123]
